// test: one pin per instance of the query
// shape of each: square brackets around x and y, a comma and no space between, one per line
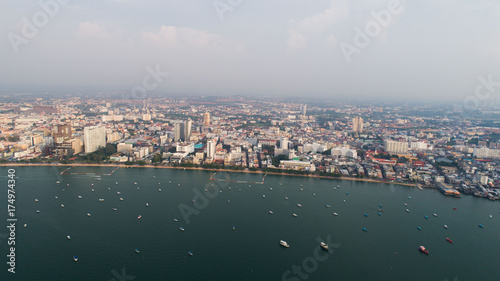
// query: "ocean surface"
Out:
[105,242]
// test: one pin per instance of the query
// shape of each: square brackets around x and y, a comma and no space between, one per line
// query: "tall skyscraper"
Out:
[304,109]
[211,148]
[182,130]
[357,124]
[284,143]
[61,133]
[94,138]
[187,129]
[206,119]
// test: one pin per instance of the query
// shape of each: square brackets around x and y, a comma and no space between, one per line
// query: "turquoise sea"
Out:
[105,242]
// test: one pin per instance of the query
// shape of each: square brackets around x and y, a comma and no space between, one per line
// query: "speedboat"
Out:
[407,210]
[139,217]
[80,197]
[263,196]
[137,250]
[36,200]
[62,205]
[449,240]
[423,250]
[88,215]
[38,211]
[294,214]
[69,237]
[299,205]
[190,253]
[181,228]
[118,192]
[75,258]
[445,226]
[147,204]
[121,199]
[324,245]
[101,199]
[284,244]
[335,214]
[434,214]
[271,212]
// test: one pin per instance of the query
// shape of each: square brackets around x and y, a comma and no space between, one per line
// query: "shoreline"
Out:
[206,169]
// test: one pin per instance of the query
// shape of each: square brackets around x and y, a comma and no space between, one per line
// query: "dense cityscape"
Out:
[434,146]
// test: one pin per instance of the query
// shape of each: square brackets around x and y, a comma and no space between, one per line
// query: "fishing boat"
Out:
[234,227]
[56,197]
[176,220]
[286,198]
[284,244]
[147,204]
[426,217]
[299,205]
[38,211]
[263,196]
[271,188]
[449,240]
[423,250]
[121,199]
[159,189]
[324,245]
[80,197]
[366,215]
[93,190]
[455,209]
[407,210]
[118,192]
[301,189]
[62,205]
[135,182]
[344,200]
[75,258]
[379,214]
[25,225]
[58,182]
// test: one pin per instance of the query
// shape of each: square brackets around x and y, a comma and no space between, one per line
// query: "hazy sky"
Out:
[422,49]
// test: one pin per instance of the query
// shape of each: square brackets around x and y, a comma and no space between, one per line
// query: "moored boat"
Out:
[423,250]
[137,250]
[75,258]
[449,240]
[294,214]
[335,214]
[284,244]
[324,245]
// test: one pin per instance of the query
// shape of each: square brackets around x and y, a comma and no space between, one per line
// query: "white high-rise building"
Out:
[284,143]
[211,148]
[396,147]
[357,124]
[182,130]
[304,109]
[94,138]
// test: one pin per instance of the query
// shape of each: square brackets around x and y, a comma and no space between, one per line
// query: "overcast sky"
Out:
[422,49]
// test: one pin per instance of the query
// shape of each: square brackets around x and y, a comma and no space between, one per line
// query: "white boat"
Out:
[101,199]
[434,214]
[176,220]
[344,200]
[62,205]
[139,217]
[135,182]
[286,198]
[181,228]
[114,209]
[314,194]
[118,192]
[294,214]
[445,226]
[406,204]
[271,212]
[80,197]
[407,210]
[271,188]
[36,200]
[56,197]
[159,189]
[58,182]
[38,211]
[284,244]
[324,245]
[121,199]
[75,258]
[178,184]
[335,214]
[299,205]
[263,196]
[116,182]
[92,190]
[147,204]
[88,215]
[69,237]
[25,225]
[301,189]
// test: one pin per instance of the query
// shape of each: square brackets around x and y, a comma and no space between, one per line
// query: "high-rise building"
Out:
[61,133]
[211,148]
[304,109]
[206,119]
[94,138]
[182,130]
[396,147]
[284,143]
[178,131]
[187,129]
[357,124]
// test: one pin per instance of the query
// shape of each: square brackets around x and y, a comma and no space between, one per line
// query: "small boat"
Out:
[284,244]
[159,189]
[56,197]
[328,205]
[38,211]
[419,228]
[286,198]
[136,250]
[69,237]
[169,181]
[434,214]
[234,227]
[366,215]
[67,184]
[314,194]
[294,214]
[379,214]
[36,200]
[101,199]
[190,253]
[481,226]
[449,240]
[58,182]
[324,245]
[364,229]
[301,189]
[176,220]
[263,196]
[116,182]
[299,205]
[229,188]
[426,217]
[445,226]
[380,205]
[344,200]
[25,225]
[135,182]
[178,184]
[159,183]
[118,192]
[491,216]
[109,188]
[75,258]
[335,214]
[347,193]
[271,212]
[406,204]
[181,228]
[409,197]
[271,188]
[228,201]
[139,217]
[115,209]
[93,190]
[281,183]
[80,197]
[455,209]
[423,250]
[407,210]
[88,215]
[62,205]
[121,199]
[147,204]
